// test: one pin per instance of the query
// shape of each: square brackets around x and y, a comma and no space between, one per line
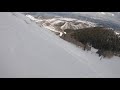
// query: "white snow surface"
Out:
[117,33]
[27,50]
[32,18]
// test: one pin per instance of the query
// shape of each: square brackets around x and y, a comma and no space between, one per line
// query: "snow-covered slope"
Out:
[26,50]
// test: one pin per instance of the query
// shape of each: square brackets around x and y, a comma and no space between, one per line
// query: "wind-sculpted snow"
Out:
[27,50]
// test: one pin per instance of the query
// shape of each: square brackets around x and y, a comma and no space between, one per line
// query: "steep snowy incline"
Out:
[26,50]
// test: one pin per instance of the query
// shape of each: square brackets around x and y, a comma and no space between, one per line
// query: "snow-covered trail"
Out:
[26,50]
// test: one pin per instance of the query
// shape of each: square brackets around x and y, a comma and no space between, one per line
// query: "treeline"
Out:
[103,39]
